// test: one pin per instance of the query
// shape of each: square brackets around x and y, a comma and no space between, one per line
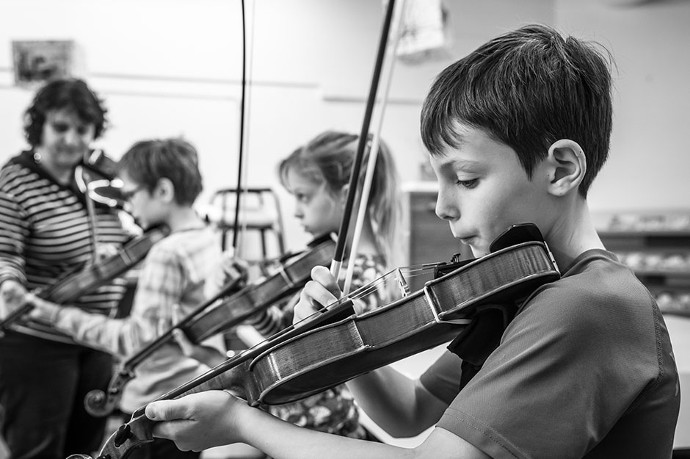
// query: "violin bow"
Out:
[374,147]
[90,211]
[240,163]
[361,144]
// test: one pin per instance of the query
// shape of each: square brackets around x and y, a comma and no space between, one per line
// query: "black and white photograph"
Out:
[335,229]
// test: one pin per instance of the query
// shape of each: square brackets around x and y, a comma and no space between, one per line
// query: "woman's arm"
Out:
[14,229]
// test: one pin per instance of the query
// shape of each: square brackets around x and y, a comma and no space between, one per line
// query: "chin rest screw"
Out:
[122,434]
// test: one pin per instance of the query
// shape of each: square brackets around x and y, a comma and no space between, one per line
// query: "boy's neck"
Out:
[573,234]
[183,218]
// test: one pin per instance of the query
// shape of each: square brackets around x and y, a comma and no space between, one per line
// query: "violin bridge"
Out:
[402,283]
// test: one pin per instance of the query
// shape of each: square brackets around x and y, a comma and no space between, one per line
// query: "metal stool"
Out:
[259,211]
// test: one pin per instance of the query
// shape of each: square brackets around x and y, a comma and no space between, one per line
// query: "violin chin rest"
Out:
[78,456]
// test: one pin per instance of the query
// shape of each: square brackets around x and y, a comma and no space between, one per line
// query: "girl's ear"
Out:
[567,164]
[165,190]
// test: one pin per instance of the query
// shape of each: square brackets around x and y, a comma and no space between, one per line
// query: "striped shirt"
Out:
[46,235]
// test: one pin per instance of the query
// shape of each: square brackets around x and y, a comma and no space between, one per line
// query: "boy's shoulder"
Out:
[187,242]
[596,292]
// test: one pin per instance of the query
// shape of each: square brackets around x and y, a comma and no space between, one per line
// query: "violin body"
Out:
[328,349]
[332,354]
[83,281]
[213,317]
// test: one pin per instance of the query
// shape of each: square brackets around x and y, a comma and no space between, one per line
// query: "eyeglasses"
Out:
[128,195]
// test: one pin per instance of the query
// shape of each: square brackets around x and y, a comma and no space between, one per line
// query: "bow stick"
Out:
[240,165]
[373,150]
[361,145]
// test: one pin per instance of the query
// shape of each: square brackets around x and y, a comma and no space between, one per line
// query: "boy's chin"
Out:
[478,252]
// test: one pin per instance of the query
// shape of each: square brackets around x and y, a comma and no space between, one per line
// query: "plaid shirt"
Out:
[175,272]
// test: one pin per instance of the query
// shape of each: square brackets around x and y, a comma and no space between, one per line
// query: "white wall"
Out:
[171,67]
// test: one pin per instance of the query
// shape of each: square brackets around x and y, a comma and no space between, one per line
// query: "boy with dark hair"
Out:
[161,181]
[516,131]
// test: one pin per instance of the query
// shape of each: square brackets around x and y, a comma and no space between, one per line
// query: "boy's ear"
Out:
[567,166]
[165,190]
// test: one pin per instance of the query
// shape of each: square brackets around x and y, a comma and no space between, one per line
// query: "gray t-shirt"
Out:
[585,369]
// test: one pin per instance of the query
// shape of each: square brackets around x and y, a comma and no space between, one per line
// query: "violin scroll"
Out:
[95,403]
[122,442]
[98,403]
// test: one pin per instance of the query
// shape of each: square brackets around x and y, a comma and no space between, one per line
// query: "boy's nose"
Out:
[446,207]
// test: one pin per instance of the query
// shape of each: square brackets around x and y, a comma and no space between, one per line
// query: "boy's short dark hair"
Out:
[65,93]
[148,161]
[527,89]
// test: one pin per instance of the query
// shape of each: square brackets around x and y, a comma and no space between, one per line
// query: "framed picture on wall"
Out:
[40,60]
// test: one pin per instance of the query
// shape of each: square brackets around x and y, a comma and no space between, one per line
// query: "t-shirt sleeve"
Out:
[442,378]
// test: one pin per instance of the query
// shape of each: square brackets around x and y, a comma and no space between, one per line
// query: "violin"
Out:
[214,317]
[83,280]
[327,349]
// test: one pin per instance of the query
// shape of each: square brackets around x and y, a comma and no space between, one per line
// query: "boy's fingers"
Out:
[183,341]
[166,410]
[176,313]
[323,276]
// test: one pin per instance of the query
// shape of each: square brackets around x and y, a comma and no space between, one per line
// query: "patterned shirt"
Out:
[334,410]
[175,271]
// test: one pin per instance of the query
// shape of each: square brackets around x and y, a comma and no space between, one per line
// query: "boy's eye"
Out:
[468,183]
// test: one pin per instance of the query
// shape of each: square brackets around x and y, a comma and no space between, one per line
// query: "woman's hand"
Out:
[12,295]
[321,291]
[198,421]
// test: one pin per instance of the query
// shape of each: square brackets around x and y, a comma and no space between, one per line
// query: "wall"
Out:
[172,67]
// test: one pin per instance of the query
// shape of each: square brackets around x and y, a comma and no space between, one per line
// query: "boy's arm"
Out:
[158,289]
[216,418]
[398,404]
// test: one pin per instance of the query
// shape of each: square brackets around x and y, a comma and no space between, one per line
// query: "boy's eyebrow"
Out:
[454,165]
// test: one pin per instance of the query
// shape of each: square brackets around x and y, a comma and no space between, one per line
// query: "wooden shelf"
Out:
[659,256]
[645,233]
[662,273]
